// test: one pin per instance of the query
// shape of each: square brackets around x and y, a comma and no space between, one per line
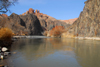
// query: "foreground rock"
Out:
[88,23]
[22,25]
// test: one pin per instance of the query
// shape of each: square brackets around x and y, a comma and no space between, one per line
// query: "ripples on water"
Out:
[55,52]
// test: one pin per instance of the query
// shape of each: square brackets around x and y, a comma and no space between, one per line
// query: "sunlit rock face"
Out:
[3,15]
[88,23]
[31,10]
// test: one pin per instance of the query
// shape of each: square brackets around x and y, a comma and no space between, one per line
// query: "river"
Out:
[55,52]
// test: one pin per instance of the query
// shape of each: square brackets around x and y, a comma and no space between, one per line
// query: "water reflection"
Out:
[56,52]
[88,53]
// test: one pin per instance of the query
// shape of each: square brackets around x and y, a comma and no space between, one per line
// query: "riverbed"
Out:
[54,52]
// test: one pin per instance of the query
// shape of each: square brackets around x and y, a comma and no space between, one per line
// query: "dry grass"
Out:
[6,34]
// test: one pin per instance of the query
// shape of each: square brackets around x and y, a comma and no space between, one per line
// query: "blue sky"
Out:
[59,9]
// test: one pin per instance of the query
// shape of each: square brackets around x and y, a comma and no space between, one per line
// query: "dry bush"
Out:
[5,34]
[57,31]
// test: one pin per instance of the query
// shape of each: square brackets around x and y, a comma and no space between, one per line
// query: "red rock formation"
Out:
[36,11]
[3,15]
[24,14]
[70,21]
[27,12]
[31,11]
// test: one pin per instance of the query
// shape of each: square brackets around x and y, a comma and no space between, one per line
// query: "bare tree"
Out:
[4,5]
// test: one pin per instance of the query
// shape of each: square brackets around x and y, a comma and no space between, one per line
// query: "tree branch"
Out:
[3,11]
[5,4]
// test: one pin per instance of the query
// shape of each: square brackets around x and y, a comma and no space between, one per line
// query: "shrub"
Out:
[57,31]
[6,34]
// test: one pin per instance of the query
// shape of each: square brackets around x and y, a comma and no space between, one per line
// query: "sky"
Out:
[59,9]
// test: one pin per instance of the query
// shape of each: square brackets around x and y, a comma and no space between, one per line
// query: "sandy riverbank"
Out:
[91,38]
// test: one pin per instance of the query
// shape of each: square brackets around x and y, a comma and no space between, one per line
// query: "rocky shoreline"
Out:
[5,52]
[18,37]
[4,55]
[90,38]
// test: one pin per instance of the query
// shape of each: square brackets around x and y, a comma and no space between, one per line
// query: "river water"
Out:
[55,52]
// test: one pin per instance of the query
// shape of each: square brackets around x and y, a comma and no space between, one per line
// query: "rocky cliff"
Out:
[47,22]
[22,25]
[88,23]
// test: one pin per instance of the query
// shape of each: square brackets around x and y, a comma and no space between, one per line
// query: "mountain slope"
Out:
[47,22]
[88,23]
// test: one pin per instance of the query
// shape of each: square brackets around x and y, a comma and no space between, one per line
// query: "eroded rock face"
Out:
[47,22]
[28,24]
[88,23]
[32,24]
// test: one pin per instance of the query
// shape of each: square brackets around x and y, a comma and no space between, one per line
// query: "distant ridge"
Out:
[70,21]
